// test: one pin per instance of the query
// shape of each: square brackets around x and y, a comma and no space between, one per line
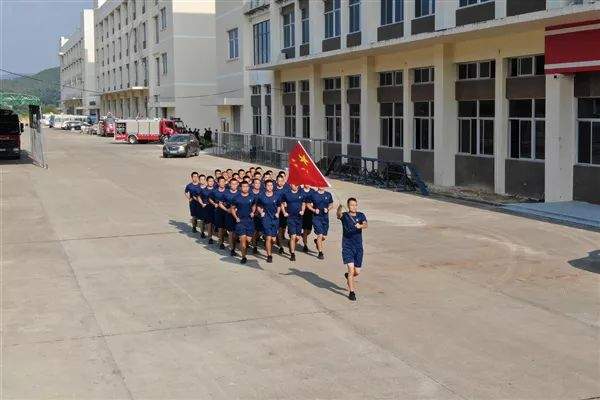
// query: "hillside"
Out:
[49,93]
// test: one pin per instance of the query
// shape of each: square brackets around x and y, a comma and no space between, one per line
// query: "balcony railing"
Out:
[256,5]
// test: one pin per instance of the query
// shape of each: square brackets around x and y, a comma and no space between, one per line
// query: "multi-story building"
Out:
[77,74]
[155,59]
[502,95]
[243,100]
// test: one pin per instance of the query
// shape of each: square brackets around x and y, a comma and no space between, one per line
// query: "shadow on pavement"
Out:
[25,159]
[591,263]
[317,281]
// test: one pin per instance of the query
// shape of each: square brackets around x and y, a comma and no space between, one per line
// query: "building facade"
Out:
[78,93]
[499,95]
[243,95]
[155,59]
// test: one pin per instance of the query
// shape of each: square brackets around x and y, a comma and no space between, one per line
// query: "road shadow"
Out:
[24,159]
[317,281]
[591,263]
[185,228]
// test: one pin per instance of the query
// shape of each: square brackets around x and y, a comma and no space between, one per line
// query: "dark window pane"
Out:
[486,108]
[398,111]
[473,149]
[540,140]
[398,132]
[383,131]
[425,133]
[417,73]
[588,108]
[386,109]
[329,110]
[526,66]
[398,78]
[514,139]
[519,108]
[525,139]
[493,69]
[584,142]
[596,143]
[465,135]
[466,109]
[514,67]
[418,144]
[472,70]
[540,108]
[487,137]
[484,70]
[462,71]
[539,65]
[422,109]
[432,133]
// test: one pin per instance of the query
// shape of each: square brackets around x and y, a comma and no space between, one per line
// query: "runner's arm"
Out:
[340,212]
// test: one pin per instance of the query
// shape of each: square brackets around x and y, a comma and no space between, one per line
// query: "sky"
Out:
[30,31]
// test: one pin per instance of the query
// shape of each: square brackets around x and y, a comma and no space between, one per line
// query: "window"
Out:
[526,66]
[255,89]
[391,126]
[289,87]
[424,125]
[390,78]
[164,63]
[305,26]
[588,131]
[424,8]
[133,10]
[289,113]
[354,16]
[354,82]
[476,127]
[333,83]
[423,75]
[392,11]
[156,30]
[477,70]
[256,120]
[355,123]
[120,48]
[526,123]
[127,44]
[332,18]
[268,119]
[143,35]
[135,73]
[333,122]
[163,18]
[268,89]
[464,3]
[135,40]
[143,6]
[157,71]
[304,86]
[128,75]
[145,70]
[262,46]
[234,51]
[306,121]
[288,29]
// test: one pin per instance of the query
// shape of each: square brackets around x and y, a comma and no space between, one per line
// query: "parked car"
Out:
[72,126]
[181,145]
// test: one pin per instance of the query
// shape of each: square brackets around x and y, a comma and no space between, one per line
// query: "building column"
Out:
[369,112]
[316,9]
[500,127]
[276,105]
[500,9]
[276,34]
[560,137]
[344,26]
[370,12]
[345,125]
[317,109]
[446,126]
[409,15]
[408,115]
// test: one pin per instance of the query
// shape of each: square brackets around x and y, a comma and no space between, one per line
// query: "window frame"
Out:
[163,18]
[333,121]
[288,29]
[394,6]
[233,43]
[430,6]
[430,75]
[289,120]
[430,120]
[305,121]
[592,121]
[478,65]
[533,121]
[305,25]
[261,32]
[354,123]
[354,25]
[479,131]
[391,123]
[333,20]
[256,120]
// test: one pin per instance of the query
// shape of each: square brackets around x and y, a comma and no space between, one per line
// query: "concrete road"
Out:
[106,293]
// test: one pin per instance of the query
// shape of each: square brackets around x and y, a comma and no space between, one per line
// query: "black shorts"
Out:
[307,220]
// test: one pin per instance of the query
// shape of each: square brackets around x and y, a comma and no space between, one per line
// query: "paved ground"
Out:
[107,294]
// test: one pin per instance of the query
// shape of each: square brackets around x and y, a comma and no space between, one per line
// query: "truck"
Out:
[144,130]
[107,126]
[10,134]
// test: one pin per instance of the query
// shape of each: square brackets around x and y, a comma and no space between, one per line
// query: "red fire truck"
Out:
[107,126]
[10,134]
[144,130]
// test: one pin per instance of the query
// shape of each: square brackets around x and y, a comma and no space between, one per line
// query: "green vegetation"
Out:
[48,90]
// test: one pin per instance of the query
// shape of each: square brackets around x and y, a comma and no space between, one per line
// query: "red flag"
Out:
[303,170]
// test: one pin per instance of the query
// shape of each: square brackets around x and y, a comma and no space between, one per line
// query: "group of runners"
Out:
[250,206]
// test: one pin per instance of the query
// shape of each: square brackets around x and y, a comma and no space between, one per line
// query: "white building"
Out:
[77,70]
[156,59]
[502,95]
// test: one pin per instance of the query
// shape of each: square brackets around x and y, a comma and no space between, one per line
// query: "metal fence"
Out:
[268,150]
[36,140]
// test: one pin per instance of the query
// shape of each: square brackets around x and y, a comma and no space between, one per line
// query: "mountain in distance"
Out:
[48,90]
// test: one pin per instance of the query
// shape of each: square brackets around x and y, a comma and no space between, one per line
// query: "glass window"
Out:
[391,124]
[163,18]
[392,11]
[588,131]
[304,86]
[262,46]
[333,83]
[424,7]
[289,113]
[256,120]
[423,75]
[164,63]
[305,26]
[355,123]
[526,66]
[386,78]
[332,18]
[333,122]
[464,3]
[354,82]
[423,125]
[306,121]
[289,29]
[354,16]
[526,123]
[233,43]
[476,127]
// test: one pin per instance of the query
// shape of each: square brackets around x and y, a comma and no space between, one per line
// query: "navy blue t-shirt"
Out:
[269,204]
[351,235]
[228,198]
[205,194]
[293,202]
[243,204]
[217,196]
[321,201]
[193,189]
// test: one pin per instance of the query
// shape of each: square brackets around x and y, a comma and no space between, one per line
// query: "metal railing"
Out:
[389,174]
[271,150]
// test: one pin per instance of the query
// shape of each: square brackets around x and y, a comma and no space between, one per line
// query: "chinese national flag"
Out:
[303,170]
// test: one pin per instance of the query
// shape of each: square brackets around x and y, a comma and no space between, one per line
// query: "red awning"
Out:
[573,48]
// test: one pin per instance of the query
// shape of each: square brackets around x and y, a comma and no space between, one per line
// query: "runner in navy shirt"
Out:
[242,209]
[353,223]
[268,207]
[202,182]
[293,206]
[307,218]
[192,190]
[216,197]
[256,190]
[229,221]
[320,204]
[209,209]
[280,190]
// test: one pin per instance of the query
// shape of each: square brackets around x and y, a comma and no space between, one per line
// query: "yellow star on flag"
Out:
[303,159]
